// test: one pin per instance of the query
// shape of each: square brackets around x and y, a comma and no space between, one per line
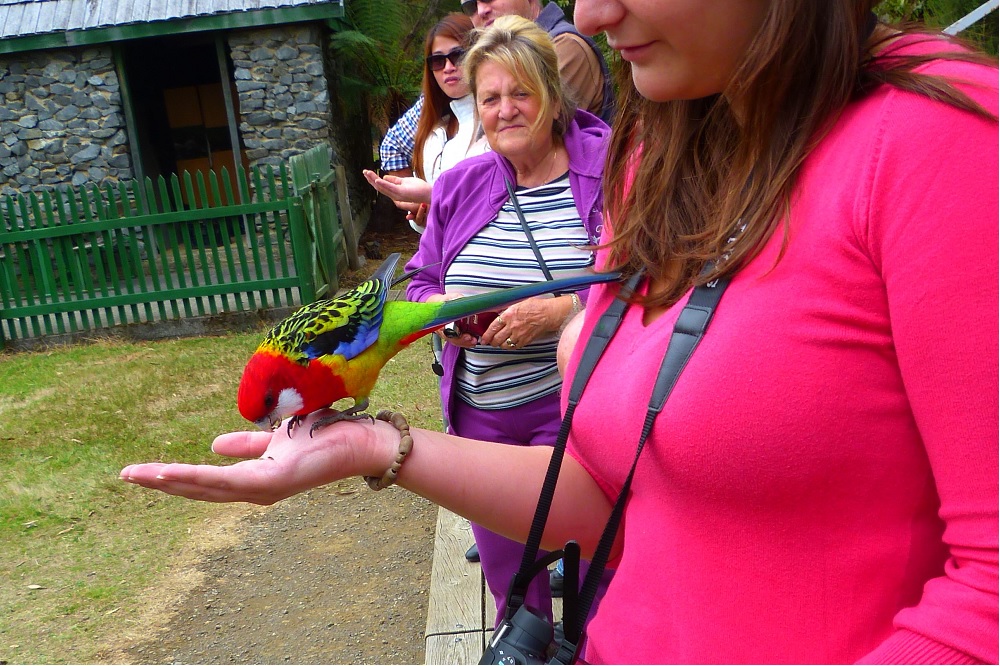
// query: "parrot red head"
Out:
[267,393]
[275,387]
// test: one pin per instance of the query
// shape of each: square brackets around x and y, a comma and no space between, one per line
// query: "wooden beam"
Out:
[351,236]
[227,95]
[128,108]
[455,632]
[461,612]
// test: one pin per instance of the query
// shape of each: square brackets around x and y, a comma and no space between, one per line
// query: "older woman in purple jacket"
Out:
[541,185]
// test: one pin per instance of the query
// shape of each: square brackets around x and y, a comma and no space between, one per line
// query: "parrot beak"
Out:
[267,424]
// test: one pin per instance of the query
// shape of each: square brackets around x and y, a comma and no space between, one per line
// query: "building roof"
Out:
[34,24]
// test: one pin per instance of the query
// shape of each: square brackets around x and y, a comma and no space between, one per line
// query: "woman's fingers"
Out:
[389,185]
[242,444]
[413,208]
[141,474]
[510,330]
[522,324]
[281,463]
[246,481]
[494,333]
[383,185]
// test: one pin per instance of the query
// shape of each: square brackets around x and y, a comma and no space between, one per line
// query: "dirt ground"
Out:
[337,575]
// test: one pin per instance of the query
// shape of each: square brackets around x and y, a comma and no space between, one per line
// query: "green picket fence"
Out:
[330,236]
[76,260]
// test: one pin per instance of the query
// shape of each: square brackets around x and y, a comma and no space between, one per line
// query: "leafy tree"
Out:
[376,51]
[374,68]
[941,14]
[379,48]
[900,11]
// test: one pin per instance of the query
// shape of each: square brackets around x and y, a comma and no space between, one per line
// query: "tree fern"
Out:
[380,53]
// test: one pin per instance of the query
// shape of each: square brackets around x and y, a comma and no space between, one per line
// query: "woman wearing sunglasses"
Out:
[446,131]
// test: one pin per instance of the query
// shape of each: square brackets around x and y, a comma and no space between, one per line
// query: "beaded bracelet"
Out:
[405,445]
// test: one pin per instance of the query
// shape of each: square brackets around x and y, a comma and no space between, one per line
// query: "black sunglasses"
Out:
[469,6]
[436,61]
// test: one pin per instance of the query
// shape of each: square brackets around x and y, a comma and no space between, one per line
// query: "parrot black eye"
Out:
[269,400]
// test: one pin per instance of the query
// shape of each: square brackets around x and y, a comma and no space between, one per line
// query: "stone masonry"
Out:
[61,120]
[284,101]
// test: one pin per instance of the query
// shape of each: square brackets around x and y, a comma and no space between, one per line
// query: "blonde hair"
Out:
[527,52]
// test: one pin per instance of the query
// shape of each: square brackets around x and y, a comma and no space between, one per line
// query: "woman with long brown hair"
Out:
[821,485]
[446,132]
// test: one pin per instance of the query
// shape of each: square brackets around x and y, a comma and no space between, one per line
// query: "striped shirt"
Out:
[500,256]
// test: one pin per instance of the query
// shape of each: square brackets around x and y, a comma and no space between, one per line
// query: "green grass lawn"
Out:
[80,546]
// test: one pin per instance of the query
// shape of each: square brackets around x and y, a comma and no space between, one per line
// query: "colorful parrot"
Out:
[335,348]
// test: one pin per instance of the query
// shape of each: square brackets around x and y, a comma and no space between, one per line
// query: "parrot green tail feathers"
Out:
[494,300]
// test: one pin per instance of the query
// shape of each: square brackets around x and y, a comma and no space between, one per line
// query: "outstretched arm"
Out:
[408,190]
[468,477]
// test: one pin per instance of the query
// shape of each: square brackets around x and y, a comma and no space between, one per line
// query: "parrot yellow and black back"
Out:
[335,348]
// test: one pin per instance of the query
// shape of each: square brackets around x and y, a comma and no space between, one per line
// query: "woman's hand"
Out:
[281,467]
[410,190]
[418,216]
[526,321]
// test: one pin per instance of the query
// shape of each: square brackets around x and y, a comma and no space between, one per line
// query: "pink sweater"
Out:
[822,484]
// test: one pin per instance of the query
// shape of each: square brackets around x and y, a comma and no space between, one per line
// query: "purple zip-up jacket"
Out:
[468,196]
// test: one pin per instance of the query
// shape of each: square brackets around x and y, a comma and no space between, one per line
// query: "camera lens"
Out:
[530,633]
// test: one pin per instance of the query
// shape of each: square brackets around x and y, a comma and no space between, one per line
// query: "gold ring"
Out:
[500,322]
[510,343]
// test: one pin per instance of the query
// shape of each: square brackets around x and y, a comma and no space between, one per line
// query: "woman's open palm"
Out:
[278,465]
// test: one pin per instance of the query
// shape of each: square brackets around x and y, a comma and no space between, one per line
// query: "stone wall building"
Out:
[61,119]
[97,91]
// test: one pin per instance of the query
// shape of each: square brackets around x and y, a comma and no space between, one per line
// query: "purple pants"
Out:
[533,424]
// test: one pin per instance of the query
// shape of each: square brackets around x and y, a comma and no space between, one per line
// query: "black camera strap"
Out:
[691,325]
[527,230]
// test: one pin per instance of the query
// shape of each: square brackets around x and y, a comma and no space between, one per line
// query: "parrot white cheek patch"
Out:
[289,402]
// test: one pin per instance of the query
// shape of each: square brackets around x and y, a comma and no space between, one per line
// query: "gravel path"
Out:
[336,575]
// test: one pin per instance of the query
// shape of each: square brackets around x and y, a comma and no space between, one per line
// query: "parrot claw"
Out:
[335,418]
[355,413]
[292,423]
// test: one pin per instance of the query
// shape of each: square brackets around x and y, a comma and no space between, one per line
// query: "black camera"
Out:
[524,639]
